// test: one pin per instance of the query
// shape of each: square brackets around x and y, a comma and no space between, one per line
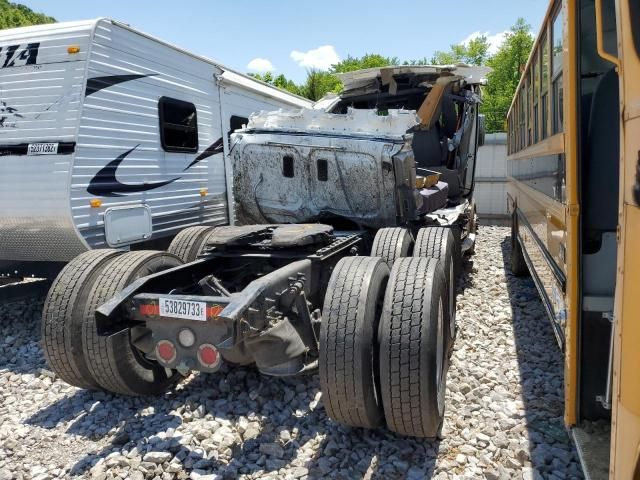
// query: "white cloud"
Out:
[494,40]
[321,58]
[260,65]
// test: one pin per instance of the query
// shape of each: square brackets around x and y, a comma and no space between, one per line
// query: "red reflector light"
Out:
[150,310]
[208,355]
[214,311]
[165,351]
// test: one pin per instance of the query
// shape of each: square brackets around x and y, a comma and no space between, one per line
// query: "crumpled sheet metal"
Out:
[450,215]
[356,121]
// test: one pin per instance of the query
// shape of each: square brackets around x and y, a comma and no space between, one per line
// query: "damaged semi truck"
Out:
[351,222]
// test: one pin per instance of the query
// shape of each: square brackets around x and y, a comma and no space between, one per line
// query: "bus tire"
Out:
[440,243]
[114,362]
[348,360]
[413,362]
[517,262]
[61,326]
[391,244]
[188,243]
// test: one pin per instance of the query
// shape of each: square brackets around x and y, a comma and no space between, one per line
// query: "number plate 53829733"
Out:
[186,309]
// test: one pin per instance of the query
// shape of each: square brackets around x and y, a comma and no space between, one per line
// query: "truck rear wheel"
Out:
[413,348]
[391,244]
[115,363]
[348,341]
[518,264]
[61,327]
[188,243]
[440,243]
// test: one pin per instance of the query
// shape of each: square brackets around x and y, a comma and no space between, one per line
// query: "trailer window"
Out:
[235,123]
[178,125]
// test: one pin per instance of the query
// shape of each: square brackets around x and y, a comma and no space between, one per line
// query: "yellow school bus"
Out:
[573,195]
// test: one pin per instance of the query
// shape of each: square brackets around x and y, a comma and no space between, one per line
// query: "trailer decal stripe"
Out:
[105,183]
[215,148]
[96,84]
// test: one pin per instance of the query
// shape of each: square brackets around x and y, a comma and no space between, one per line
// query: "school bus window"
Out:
[529,109]
[521,111]
[544,88]
[525,107]
[556,76]
[536,93]
[514,116]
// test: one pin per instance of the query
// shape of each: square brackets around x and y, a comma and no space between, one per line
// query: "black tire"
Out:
[440,243]
[62,317]
[116,365]
[188,243]
[518,264]
[348,359]
[413,362]
[391,244]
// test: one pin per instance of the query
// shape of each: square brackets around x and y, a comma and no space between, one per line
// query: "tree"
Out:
[16,15]
[507,65]
[319,83]
[368,60]
[475,52]
[280,81]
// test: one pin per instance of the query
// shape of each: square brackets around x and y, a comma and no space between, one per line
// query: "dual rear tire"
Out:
[71,344]
[383,351]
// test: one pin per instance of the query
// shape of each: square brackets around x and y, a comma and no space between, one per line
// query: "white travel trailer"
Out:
[110,138]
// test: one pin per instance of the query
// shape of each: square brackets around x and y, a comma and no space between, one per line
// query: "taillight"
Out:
[208,355]
[165,351]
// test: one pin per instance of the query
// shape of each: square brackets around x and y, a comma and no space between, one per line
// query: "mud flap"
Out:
[278,350]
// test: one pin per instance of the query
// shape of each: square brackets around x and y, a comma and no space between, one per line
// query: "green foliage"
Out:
[280,81]
[507,65]
[15,15]
[476,52]
[319,83]
[369,60]
[417,61]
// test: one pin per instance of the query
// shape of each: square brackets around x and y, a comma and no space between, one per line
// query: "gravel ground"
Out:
[503,417]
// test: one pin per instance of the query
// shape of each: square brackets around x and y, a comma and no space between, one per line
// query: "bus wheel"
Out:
[440,243]
[391,244]
[518,264]
[123,363]
[348,360]
[413,362]
[61,325]
[188,243]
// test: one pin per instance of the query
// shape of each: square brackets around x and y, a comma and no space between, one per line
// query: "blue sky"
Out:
[292,36]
